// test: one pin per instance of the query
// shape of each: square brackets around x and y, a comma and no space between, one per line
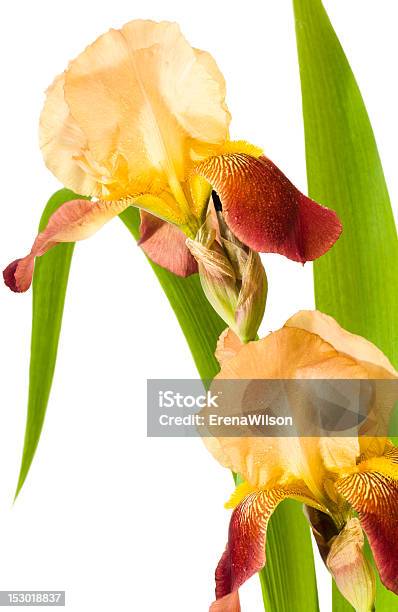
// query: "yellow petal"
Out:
[285,354]
[375,366]
[353,345]
[62,141]
[242,490]
[144,100]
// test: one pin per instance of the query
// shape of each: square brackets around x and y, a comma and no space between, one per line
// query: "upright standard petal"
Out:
[376,367]
[165,244]
[73,221]
[285,354]
[64,144]
[133,110]
[266,211]
[372,490]
[353,345]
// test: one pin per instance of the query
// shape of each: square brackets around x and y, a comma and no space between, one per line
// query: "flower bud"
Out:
[232,277]
[351,570]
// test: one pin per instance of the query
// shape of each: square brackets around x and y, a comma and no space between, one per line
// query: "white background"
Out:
[119,521]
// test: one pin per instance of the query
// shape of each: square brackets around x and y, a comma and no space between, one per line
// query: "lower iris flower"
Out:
[348,484]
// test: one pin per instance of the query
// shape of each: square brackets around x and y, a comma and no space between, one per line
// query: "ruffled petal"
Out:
[266,211]
[144,104]
[64,144]
[353,345]
[285,354]
[73,221]
[375,366]
[373,492]
[165,244]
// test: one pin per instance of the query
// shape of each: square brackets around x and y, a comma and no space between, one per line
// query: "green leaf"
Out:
[288,580]
[49,287]
[356,282]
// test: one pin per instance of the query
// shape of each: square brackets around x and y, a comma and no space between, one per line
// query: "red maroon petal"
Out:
[244,555]
[266,211]
[374,495]
[165,244]
[9,276]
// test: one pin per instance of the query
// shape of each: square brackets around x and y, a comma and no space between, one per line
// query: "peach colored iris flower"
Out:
[333,476]
[139,119]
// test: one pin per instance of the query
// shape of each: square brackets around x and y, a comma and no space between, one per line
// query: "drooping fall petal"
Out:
[165,244]
[245,551]
[266,211]
[73,221]
[373,492]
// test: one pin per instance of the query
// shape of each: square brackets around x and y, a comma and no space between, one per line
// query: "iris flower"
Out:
[139,119]
[349,484]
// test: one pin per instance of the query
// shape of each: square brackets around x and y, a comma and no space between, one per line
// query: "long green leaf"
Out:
[49,286]
[356,282]
[288,580]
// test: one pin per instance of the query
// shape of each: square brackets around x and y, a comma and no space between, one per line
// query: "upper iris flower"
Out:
[139,119]
[336,477]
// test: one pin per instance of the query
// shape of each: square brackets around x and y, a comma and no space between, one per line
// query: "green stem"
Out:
[356,281]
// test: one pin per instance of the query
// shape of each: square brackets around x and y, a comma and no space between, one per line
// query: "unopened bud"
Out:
[351,570]
[232,277]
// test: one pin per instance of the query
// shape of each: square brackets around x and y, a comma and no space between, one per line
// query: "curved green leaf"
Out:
[50,280]
[356,282]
